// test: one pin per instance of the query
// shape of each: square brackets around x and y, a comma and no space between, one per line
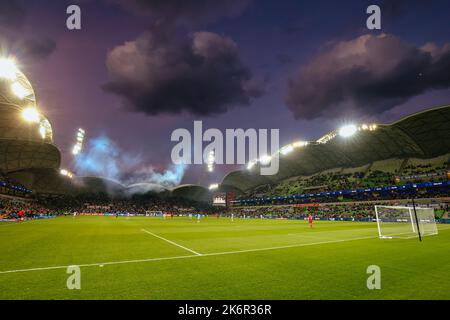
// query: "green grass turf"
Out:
[312,264]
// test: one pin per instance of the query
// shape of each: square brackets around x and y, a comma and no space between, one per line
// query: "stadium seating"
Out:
[376,174]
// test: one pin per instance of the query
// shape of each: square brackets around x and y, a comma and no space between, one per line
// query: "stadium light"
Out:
[66,173]
[79,140]
[42,131]
[287,149]
[30,114]
[19,90]
[76,150]
[251,164]
[265,159]
[211,160]
[214,186]
[348,130]
[300,144]
[8,69]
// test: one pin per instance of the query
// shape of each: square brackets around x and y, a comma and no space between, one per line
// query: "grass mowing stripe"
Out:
[171,242]
[185,257]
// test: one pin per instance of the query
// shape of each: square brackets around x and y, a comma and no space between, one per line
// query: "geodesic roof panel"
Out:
[190,191]
[21,155]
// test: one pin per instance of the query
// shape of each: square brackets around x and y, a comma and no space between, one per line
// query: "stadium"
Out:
[248,237]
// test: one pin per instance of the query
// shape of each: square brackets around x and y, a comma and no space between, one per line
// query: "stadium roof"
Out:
[25,133]
[191,191]
[21,155]
[424,135]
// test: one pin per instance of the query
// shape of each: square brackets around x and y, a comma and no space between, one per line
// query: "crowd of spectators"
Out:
[341,179]
[362,208]
[102,204]
[428,192]
[357,211]
[137,204]
[14,209]
[281,200]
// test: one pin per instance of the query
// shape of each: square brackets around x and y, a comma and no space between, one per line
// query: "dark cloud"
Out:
[36,48]
[284,59]
[367,75]
[160,73]
[394,9]
[26,49]
[15,40]
[12,14]
[185,11]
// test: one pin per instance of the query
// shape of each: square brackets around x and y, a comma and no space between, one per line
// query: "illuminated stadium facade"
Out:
[26,137]
[29,157]
[422,135]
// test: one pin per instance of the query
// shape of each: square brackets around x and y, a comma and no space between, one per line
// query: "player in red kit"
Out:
[310,220]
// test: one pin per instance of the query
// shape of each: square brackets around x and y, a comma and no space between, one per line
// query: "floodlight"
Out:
[30,114]
[348,130]
[19,90]
[299,144]
[213,186]
[79,140]
[251,164]
[8,69]
[66,173]
[42,131]
[265,159]
[76,149]
[286,149]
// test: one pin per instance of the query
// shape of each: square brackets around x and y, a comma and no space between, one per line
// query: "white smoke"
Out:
[103,157]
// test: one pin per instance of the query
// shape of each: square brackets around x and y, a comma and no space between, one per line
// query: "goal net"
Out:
[400,222]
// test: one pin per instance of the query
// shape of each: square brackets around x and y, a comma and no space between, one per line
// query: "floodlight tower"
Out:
[79,141]
[211,160]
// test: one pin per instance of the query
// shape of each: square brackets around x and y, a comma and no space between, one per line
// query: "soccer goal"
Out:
[400,222]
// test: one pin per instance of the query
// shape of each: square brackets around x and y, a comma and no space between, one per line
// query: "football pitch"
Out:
[180,258]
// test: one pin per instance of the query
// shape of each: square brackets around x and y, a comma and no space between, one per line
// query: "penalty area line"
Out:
[186,257]
[171,242]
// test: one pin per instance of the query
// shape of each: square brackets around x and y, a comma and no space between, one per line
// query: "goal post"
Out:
[401,222]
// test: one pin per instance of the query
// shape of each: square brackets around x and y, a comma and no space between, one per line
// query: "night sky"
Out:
[140,69]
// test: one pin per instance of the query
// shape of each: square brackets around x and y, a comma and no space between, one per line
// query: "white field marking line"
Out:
[98,264]
[171,242]
[186,257]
